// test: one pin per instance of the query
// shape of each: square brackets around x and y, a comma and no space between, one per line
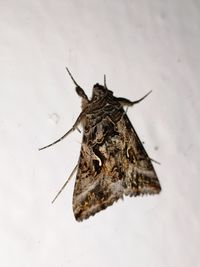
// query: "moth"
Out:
[113,162]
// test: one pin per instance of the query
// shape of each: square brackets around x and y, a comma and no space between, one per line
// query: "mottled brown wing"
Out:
[117,165]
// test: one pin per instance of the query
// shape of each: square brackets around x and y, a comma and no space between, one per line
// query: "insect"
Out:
[113,162]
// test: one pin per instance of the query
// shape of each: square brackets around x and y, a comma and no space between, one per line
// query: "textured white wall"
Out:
[140,45]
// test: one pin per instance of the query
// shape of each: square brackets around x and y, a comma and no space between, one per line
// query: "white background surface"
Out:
[139,45]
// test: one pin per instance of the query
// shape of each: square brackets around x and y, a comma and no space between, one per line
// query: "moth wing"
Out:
[115,166]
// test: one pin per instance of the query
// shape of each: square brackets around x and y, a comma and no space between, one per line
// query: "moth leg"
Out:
[79,90]
[157,162]
[74,127]
[127,102]
[81,93]
[65,183]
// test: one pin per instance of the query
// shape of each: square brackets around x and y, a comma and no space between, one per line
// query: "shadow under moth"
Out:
[112,161]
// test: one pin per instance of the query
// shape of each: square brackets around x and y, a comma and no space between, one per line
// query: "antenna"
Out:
[105,81]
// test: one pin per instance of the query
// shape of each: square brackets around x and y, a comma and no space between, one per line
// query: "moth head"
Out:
[99,92]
